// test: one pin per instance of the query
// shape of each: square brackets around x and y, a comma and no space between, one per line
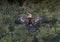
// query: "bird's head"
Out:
[29,16]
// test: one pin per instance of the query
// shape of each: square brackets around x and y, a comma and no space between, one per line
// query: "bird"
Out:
[31,22]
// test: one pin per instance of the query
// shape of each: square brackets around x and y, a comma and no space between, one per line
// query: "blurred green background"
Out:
[11,32]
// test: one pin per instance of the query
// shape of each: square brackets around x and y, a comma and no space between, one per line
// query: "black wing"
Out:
[42,20]
[20,20]
[39,21]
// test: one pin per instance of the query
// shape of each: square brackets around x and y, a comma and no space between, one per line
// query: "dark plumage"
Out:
[31,23]
[17,21]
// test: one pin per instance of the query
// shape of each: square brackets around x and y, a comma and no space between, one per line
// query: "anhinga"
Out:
[32,22]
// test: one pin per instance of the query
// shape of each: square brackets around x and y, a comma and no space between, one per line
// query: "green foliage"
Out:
[8,14]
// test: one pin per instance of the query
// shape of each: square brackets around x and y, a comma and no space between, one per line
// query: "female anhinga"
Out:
[31,22]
